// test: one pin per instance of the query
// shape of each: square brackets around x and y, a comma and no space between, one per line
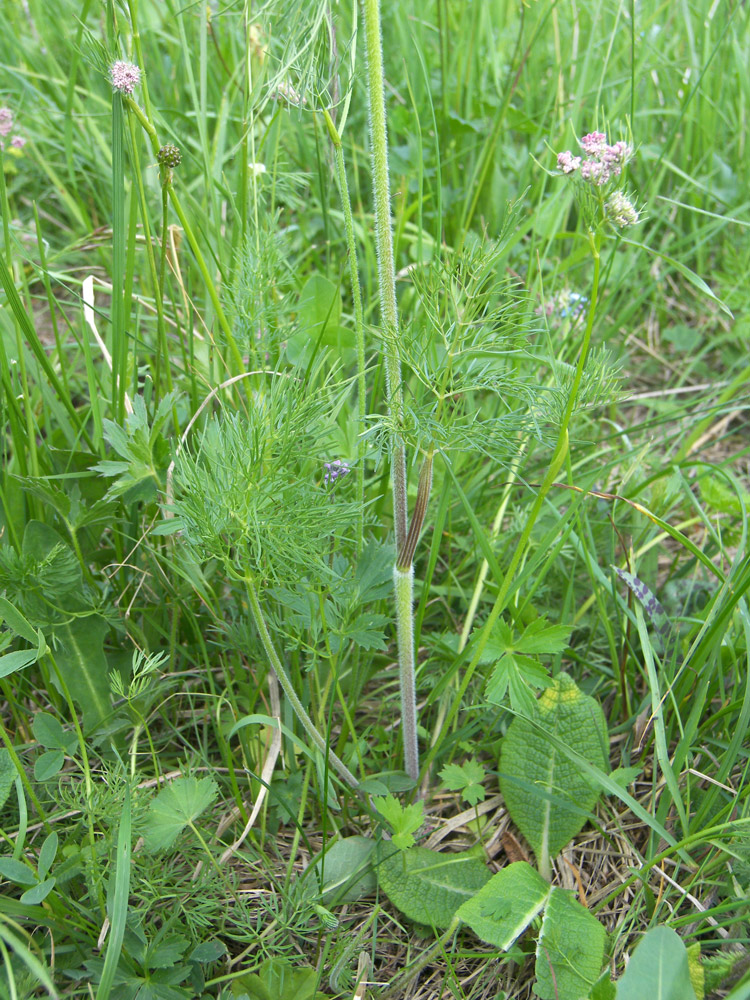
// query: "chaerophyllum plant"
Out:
[255,495]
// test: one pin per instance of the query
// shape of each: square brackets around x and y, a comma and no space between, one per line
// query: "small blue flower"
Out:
[335,470]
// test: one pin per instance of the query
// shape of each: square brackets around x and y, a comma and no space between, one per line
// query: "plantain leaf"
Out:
[659,969]
[547,795]
[427,886]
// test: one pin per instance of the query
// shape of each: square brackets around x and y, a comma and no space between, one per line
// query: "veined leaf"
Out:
[428,886]
[659,969]
[547,795]
[569,949]
[502,910]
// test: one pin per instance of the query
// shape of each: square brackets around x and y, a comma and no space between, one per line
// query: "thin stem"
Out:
[403,582]
[288,687]
[359,323]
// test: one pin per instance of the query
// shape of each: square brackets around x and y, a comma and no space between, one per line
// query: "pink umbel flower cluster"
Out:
[125,76]
[6,127]
[603,161]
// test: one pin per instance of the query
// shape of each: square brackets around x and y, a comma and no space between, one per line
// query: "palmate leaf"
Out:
[517,672]
[176,807]
[466,778]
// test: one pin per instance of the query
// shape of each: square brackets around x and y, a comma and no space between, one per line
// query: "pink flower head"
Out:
[18,142]
[6,121]
[124,76]
[567,162]
[594,143]
[616,156]
[595,172]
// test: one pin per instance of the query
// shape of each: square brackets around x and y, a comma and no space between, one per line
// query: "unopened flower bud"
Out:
[169,156]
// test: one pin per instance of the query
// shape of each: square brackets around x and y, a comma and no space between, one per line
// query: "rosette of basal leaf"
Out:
[250,490]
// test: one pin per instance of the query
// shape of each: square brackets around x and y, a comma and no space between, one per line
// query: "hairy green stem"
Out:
[403,576]
[288,688]
[386,267]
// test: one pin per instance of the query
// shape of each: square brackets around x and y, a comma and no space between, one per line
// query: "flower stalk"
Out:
[403,571]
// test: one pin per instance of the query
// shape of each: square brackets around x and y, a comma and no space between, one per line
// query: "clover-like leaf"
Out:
[176,807]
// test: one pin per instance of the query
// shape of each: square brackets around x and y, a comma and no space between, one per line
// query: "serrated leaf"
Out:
[658,969]
[545,791]
[403,820]
[466,778]
[427,886]
[538,639]
[502,910]
[175,807]
[518,677]
[278,979]
[569,949]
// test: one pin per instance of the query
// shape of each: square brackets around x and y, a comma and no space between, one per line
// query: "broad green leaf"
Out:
[403,820]
[319,318]
[279,979]
[427,886]
[48,764]
[175,807]
[38,893]
[47,854]
[569,949]
[81,660]
[345,874]
[17,660]
[658,969]
[547,794]
[502,910]
[49,732]
[7,775]
[17,871]
[208,951]
[16,621]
